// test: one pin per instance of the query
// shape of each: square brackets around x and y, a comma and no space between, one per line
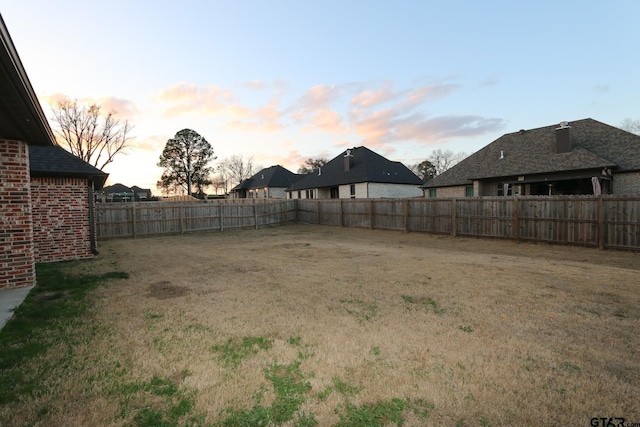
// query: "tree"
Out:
[184,159]
[444,160]
[425,170]
[630,125]
[233,170]
[87,133]
[310,165]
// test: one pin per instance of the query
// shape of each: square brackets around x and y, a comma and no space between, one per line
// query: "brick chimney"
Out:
[563,138]
[347,160]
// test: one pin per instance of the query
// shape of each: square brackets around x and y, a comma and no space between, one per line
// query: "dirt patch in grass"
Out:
[164,289]
[305,325]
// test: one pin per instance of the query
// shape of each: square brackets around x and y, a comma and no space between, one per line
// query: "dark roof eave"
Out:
[20,103]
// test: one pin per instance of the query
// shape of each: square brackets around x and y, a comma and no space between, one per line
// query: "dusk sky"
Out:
[284,81]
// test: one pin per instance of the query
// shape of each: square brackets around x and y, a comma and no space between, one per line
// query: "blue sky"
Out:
[283,81]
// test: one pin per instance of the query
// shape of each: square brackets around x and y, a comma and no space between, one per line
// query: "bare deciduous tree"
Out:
[444,160]
[630,125]
[88,133]
[234,169]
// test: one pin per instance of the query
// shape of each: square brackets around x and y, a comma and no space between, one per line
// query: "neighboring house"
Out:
[358,173]
[269,183]
[581,157]
[122,193]
[141,194]
[35,199]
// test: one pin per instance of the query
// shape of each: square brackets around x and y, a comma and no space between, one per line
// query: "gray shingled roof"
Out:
[533,151]
[274,176]
[366,166]
[56,161]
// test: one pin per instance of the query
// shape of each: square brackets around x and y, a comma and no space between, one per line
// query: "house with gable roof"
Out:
[581,157]
[46,194]
[269,183]
[358,173]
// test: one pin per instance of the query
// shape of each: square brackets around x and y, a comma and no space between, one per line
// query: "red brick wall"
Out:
[16,226]
[60,218]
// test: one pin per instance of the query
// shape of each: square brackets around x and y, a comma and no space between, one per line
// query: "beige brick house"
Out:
[580,157]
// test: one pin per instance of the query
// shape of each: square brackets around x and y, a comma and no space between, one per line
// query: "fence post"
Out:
[370,214]
[406,216]
[133,219]
[600,213]
[516,232]
[453,217]
[221,207]
[255,212]
[181,213]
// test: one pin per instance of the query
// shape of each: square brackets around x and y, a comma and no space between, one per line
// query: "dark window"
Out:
[352,191]
[309,194]
[335,193]
[432,193]
[299,194]
[468,191]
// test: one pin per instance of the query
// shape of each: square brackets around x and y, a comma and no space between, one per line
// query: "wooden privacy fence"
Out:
[149,218]
[603,222]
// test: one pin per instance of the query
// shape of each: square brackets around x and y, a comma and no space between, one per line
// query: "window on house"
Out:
[335,193]
[299,194]
[309,193]
[468,191]
[264,193]
[352,191]
[432,193]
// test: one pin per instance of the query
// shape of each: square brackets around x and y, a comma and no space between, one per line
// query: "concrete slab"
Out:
[10,299]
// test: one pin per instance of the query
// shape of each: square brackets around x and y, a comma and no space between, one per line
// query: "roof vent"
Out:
[347,160]
[563,138]
[501,154]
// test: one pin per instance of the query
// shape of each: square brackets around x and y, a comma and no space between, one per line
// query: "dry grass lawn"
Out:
[458,331]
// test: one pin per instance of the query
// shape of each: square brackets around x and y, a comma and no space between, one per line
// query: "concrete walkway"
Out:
[9,300]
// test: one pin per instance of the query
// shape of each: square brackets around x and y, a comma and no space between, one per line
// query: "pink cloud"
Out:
[265,118]
[426,93]
[187,98]
[371,98]
[326,120]
[124,109]
[151,143]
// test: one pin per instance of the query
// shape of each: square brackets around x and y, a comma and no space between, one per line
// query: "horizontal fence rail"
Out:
[598,221]
[149,218]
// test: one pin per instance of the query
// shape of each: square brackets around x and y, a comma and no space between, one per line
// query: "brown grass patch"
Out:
[488,332]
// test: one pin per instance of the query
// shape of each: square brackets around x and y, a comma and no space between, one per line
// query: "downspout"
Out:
[92,219]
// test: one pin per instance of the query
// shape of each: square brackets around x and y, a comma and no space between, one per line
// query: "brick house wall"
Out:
[627,184]
[61,218]
[17,262]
